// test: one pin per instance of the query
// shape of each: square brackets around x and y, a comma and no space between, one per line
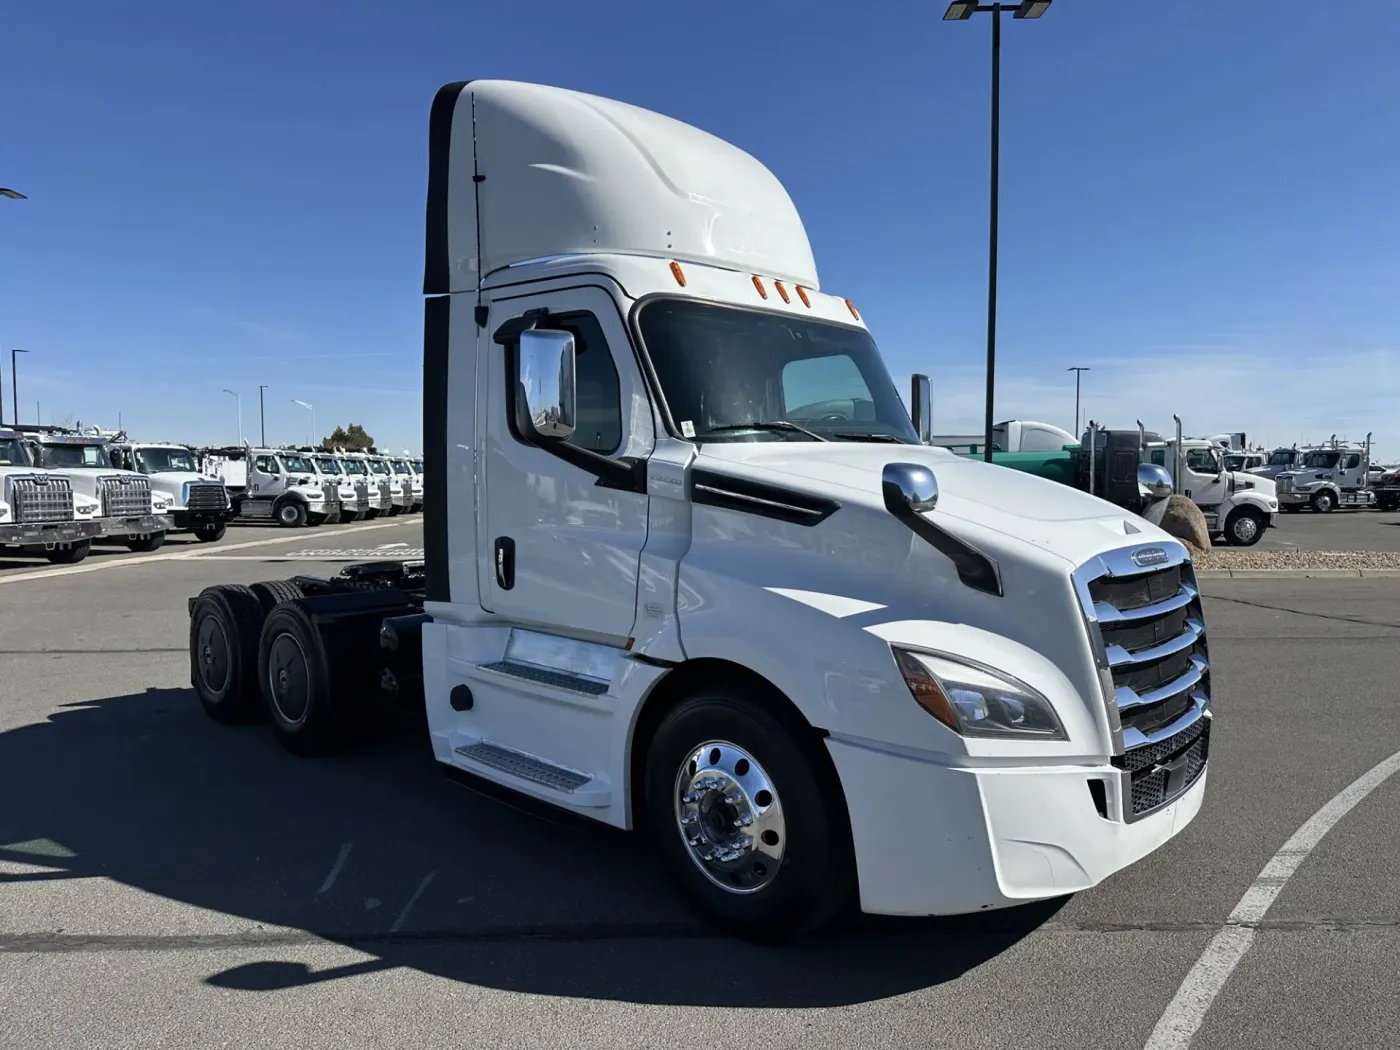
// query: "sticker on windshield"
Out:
[687,428]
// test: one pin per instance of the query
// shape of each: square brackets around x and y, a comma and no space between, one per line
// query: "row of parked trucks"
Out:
[64,488]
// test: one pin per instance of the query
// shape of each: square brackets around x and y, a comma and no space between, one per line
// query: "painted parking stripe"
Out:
[1193,999]
[194,555]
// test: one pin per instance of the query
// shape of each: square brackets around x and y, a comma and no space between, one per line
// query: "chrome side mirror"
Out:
[910,484]
[920,407]
[546,394]
[1153,481]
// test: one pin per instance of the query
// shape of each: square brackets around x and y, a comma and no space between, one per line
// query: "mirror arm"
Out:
[627,474]
[509,332]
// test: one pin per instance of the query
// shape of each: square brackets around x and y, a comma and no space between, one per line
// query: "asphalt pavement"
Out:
[166,882]
[1341,530]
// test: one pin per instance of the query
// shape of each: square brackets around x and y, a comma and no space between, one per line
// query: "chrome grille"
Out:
[1285,484]
[1148,632]
[207,497]
[361,495]
[330,493]
[42,499]
[125,496]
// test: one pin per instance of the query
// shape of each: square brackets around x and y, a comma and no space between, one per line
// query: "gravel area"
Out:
[1228,558]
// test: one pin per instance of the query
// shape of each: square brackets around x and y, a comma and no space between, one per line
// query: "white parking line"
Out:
[1188,1008]
[205,551]
[340,859]
[403,915]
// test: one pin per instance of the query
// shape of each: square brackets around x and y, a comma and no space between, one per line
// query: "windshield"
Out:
[297,464]
[722,369]
[401,466]
[1323,460]
[378,466]
[328,465]
[58,456]
[160,460]
[1282,459]
[355,466]
[13,453]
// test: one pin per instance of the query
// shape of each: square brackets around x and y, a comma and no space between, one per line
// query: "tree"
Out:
[352,438]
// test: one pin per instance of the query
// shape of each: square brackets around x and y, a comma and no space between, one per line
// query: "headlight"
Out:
[974,700]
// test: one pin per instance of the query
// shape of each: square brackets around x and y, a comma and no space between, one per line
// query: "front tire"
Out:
[146,544]
[1323,502]
[211,533]
[69,553]
[1244,527]
[291,514]
[748,816]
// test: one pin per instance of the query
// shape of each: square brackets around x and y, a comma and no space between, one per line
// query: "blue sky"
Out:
[1196,197]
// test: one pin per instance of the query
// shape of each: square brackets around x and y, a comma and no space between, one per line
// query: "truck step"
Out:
[544,676]
[525,767]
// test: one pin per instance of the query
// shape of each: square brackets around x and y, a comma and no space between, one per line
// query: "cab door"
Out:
[559,551]
[1203,482]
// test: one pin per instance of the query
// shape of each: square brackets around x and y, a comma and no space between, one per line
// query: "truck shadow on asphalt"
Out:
[376,851]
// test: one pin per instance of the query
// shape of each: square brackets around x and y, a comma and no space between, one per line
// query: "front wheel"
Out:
[749,817]
[1244,527]
[1323,502]
[291,514]
[69,553]
[210,533]
[146,544]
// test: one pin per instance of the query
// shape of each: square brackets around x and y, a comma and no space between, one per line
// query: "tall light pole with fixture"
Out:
[237,397]
[13,195]
[312,409]
[262,418]
[14,382]
[961,11]
[1077,369]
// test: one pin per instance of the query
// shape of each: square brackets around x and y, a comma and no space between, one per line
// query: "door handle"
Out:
[504,556]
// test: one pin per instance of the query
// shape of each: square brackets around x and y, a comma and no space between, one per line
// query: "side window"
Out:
[599,424]
[1201,461]
[1353,461]
[266,464]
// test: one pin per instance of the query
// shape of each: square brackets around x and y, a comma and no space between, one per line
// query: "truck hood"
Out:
[1265,486]
[1045,514]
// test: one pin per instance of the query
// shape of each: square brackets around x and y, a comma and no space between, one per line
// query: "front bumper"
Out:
[25,535]
[934,839]
[140,525]
[188,519]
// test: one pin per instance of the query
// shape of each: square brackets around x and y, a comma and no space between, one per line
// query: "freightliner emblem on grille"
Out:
[1149,556]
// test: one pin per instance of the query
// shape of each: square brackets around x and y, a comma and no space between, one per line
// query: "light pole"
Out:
[1077,369]
[13,195]
[961,11]
[262,418]
[238,398]
[14,382]
[312,409]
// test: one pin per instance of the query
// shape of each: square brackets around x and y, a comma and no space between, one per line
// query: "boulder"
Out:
[1181,518]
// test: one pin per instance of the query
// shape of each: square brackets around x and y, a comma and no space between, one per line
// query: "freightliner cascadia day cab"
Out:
[811,656]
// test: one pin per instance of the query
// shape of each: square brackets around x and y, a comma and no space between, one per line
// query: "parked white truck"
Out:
[129,510]
[199,502]
[272,484]
[374,476]
[40,513]
[408,484]
[812,660]
[1237,505]
[353,498]
[1014,435]
[1337,475]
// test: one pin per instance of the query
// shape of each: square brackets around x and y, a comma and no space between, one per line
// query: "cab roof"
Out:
[520,172]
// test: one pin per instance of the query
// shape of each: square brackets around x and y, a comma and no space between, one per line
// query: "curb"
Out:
[1297,574]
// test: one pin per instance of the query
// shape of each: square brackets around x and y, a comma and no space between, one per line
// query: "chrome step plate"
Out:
[544,676]
[525,767]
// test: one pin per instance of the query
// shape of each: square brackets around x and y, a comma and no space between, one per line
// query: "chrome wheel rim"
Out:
[729,817]
[1246,528]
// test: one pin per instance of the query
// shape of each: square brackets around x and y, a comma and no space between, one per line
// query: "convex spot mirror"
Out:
[1154,481]
[546,392]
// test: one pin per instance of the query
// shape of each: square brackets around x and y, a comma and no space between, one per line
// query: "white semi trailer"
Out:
[811,660]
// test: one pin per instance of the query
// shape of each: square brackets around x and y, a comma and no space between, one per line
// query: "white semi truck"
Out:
[811,660]
[272,484]
[408,484]
[199,502]
[353,497]
[367,470]
[1332,476]
[129,510]
[40,511]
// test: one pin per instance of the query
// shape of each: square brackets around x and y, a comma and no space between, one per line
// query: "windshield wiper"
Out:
[772,424]
[865,435]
